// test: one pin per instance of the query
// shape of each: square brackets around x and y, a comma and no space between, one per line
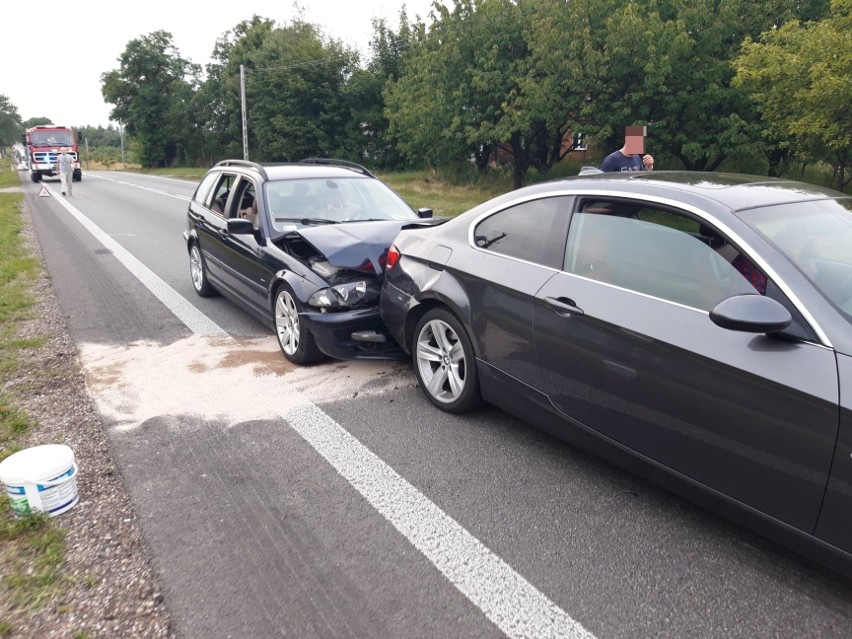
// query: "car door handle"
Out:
[563,306]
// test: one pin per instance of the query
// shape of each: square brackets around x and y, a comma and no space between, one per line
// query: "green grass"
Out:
[425,189]
[32,548]
[8,177]
[32,551]
[18,269]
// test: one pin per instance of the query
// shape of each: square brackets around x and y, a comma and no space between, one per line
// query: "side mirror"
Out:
[751,314]
[240,226]
[424,213]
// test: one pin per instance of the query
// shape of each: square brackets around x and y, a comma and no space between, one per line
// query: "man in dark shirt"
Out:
[630,157]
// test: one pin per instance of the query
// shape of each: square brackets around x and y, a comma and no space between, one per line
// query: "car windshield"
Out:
[308,202]
[817,237]
[52,138]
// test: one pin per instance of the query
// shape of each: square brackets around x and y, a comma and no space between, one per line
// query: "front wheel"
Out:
[296,341]
[444,362]
[198,273]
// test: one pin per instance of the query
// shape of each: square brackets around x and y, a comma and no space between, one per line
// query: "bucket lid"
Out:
[39,463]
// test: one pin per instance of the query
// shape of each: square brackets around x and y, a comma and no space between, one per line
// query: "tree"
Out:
[218,102]
[295,87]
[364,93]
[152,93]
[100,136]
[465,92]
[31,122]
[662,63]
[10,123]
[800,76]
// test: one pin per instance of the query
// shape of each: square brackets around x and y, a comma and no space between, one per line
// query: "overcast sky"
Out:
[55,53]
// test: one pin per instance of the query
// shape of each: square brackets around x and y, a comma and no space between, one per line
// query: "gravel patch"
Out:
[113,590]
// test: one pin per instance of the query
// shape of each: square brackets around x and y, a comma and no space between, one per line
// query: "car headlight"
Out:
[339,296]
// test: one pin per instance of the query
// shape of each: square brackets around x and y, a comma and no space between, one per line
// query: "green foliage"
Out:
[800,76]
[28,124]
[100,136]
[447,192]
[488,83]
[17,271]
[152,92]
[658,63]
[32,549]
[13,424]
[459,97]
[8,177]
[297,109]
[33,554]
[10,123]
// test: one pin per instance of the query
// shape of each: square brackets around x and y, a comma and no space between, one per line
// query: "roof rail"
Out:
[341,163]
[252,165]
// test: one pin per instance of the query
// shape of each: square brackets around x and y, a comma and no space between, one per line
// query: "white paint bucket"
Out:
[41,479]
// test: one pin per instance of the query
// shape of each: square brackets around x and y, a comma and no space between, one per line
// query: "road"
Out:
[335,501]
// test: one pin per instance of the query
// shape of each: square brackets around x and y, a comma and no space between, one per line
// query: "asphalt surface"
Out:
[334,501]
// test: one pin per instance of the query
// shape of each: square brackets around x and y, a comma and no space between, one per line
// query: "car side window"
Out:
[246,202]
[654,251]
[533,231]
[219,195]
[202,193]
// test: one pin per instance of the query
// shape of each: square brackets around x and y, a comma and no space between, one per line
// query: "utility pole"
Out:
[243,104]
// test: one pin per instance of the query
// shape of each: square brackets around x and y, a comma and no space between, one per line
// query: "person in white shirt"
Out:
[65,163]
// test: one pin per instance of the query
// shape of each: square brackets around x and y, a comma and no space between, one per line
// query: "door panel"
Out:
[752,416]
[835,521]
[519,248]
[211,226]
[244,264]
[502,313]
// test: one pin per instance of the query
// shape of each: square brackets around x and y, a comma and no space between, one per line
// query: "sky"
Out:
[54,54]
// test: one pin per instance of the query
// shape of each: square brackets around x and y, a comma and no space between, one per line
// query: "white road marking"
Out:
[139,186]
[197,321]
[124,388]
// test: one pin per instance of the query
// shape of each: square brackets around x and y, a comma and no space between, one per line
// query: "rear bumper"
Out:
[394,308]
[337,334]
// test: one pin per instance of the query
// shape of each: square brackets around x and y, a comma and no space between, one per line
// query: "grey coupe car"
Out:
[695,328]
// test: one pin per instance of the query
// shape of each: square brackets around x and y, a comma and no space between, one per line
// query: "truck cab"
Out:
[43,144]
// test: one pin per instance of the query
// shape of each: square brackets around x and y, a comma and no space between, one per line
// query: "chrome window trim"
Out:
[675,204]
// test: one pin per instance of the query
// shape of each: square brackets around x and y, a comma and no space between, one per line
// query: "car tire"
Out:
[295,340]
[198,273]
[443,360]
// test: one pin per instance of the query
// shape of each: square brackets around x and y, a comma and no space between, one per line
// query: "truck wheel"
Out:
[35,177]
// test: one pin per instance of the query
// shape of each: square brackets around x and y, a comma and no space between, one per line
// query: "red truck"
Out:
[43,144]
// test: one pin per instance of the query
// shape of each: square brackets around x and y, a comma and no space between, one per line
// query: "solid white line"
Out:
[506,598]
[194,319]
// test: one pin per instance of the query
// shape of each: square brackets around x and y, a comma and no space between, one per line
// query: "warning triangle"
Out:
[44,192]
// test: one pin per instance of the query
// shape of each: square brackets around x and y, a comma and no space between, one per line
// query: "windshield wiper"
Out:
[306,220]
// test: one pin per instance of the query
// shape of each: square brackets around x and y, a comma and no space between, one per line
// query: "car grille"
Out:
[42,157]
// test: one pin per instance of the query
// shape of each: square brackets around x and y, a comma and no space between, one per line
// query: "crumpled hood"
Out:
[360,246]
